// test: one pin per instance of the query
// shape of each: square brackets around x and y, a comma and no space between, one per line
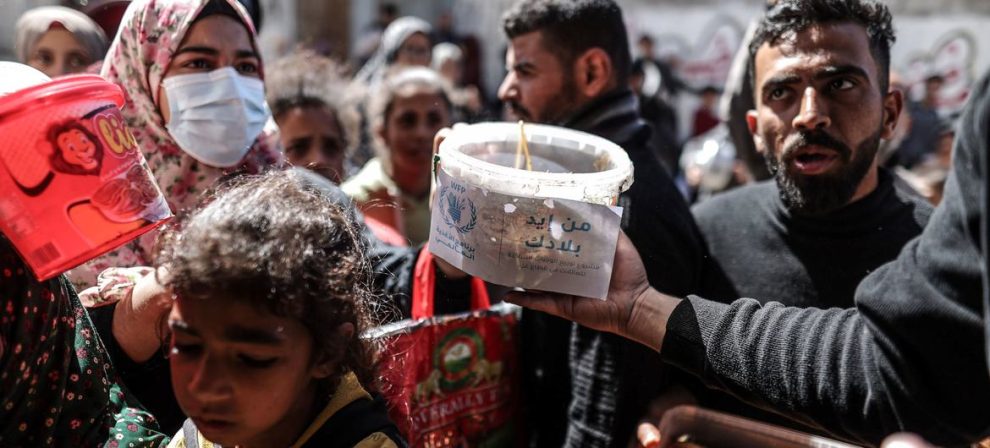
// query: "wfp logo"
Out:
[457,211]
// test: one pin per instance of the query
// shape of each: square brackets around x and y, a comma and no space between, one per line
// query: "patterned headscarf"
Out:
[150,34]
[392,39]
[36,22]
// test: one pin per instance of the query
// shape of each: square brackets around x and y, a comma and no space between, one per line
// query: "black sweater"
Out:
[911,356]
[760,250]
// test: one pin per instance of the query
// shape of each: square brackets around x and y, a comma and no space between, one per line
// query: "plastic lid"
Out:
[57,92]
[15,77]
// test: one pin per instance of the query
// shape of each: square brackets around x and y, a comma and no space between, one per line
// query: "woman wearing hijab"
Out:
[196,106]
[58,40]
[407,110]
[406,41]
[193,78]
[58,386]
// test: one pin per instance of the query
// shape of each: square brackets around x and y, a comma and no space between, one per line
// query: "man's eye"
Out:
[777,93]
[840,84]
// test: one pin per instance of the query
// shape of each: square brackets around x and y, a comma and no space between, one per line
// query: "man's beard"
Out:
[556,111]
[823,193]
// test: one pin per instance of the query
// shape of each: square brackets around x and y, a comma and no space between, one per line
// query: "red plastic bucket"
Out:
[73,182]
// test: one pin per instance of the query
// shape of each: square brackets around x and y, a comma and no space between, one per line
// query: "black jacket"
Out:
[612,380]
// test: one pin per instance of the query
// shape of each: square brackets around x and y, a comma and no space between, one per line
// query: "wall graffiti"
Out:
[706,62]
[952,57]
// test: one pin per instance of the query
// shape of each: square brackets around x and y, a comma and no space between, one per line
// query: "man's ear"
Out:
[893,105]
[751,123]
[593,72]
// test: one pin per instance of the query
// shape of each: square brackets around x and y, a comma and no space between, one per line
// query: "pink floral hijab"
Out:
[150,34]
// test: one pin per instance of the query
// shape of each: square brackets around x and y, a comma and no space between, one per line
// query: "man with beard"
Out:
[568,64]
[830,216]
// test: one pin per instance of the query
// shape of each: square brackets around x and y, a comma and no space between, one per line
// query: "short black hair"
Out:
[794,16]
[571,27]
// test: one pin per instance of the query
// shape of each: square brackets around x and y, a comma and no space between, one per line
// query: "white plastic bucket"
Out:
[566,164]
[552,228]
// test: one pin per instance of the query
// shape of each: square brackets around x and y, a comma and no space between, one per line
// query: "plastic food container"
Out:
[566,164]
[552,227]
[73,182]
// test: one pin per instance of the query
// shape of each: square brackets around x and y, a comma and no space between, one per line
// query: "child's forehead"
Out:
[234,320]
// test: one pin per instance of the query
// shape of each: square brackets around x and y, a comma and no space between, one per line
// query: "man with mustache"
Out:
[830,216]
[912,355]
[568,64]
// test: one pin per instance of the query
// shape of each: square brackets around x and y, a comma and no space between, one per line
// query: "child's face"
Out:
[244,376]
[77,149]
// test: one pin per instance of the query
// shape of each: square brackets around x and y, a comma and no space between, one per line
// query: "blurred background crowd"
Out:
[683,70]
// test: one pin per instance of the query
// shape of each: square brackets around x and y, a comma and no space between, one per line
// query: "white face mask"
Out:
[216,116]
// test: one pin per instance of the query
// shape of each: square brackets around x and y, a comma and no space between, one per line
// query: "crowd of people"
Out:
[855,228]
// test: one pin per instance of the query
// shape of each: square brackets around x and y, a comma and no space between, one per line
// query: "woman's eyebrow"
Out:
[198,49]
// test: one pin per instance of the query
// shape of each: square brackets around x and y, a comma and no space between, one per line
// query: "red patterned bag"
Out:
[452,381]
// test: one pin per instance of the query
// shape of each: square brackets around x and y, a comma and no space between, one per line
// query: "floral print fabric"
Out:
[151,32]
[57,386]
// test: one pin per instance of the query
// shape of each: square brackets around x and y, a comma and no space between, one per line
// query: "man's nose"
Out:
[507,91]
[813,113]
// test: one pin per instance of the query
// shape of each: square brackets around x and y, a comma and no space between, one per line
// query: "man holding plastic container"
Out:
[831,215]
[912,355]
[568,64]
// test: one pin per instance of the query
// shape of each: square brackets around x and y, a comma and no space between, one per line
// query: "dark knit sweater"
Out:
[911,356]
[612,379]
[760,250]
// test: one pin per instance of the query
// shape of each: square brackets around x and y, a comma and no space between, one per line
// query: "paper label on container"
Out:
[556,245]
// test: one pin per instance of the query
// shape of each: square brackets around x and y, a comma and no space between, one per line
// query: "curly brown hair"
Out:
[281,243]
